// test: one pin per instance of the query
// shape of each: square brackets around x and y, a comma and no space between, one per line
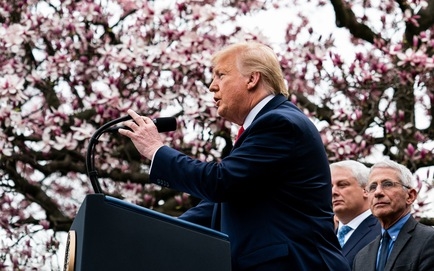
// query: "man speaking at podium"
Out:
[271,194]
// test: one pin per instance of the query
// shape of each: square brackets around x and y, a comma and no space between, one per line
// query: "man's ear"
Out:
[365,193]
[411,196]
[253,80]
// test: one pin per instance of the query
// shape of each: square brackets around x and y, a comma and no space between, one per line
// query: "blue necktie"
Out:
[384,252]
[341,234]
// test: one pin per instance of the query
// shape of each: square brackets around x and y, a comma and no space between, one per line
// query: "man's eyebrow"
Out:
[383,180]
[386,179]
[219,70]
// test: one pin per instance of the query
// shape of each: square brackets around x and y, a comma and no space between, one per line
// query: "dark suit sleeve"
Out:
[273,148]
[200,214]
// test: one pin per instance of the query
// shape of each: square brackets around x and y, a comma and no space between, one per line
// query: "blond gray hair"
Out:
[256,57]
[359,171]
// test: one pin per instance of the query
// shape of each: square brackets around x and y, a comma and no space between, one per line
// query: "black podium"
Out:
[111,234]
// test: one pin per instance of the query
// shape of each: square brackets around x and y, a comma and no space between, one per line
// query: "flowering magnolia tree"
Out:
[68,67]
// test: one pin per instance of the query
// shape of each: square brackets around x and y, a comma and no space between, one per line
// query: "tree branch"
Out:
[345,17]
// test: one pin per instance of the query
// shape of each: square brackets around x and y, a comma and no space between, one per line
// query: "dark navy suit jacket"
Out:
[365,233]
[274,191]
[413,250]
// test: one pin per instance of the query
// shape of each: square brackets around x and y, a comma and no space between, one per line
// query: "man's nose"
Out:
[334,189]
[213,87]
[378,192]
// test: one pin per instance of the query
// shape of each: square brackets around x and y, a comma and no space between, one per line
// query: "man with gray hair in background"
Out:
[357,227]
[405,244]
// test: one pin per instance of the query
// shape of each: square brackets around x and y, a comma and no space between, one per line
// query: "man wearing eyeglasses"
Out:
[405,244]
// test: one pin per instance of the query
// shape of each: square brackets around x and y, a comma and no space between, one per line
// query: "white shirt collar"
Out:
[255,110]
[355,223]
[357,220]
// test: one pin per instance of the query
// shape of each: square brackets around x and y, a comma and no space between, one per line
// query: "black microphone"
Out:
[165,124]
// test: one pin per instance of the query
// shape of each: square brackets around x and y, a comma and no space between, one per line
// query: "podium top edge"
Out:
[169,219]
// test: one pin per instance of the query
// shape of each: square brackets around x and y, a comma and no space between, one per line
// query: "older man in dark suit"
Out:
[271,194]
[405,244]
[351,206]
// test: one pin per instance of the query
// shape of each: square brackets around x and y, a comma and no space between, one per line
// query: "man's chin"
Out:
[338,209]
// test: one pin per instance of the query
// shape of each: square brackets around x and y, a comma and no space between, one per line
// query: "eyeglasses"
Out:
[386,185]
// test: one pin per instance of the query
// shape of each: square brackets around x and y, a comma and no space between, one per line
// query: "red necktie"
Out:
[240,131]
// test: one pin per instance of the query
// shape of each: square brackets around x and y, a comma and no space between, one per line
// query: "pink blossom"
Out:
[12,86]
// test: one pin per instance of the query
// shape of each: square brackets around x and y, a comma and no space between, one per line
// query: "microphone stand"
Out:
[90,155]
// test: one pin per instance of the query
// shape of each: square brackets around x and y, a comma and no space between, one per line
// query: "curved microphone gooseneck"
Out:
[163,125]
[90,155]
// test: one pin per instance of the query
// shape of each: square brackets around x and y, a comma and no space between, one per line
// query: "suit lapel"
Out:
[401,240]
[371,259]
[359,234]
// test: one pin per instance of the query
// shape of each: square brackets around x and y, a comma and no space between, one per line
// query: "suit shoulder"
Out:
[428,230]
[372,220]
